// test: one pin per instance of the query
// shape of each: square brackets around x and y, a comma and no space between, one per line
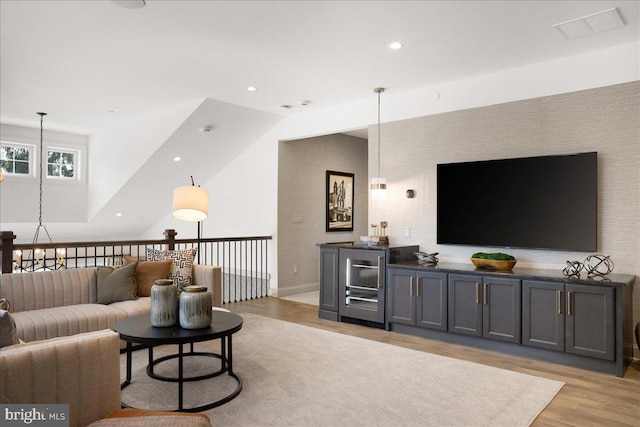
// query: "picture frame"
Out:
[339,201]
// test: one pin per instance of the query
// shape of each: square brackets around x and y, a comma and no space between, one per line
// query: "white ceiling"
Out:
[98,69]
[77,60]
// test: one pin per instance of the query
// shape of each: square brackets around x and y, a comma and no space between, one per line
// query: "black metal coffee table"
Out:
[138,330]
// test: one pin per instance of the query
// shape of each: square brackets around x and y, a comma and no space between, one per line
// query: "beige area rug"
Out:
[300,376]
[311,298]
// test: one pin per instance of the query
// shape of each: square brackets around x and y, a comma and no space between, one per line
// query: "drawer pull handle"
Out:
[379,275]
[569,303]
[477,293]
[417,286]
[485,294]
[411,286]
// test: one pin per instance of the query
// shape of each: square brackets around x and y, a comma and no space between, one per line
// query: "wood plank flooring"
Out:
[587,399]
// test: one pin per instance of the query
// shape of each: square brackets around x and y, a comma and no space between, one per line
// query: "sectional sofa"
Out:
[60,303]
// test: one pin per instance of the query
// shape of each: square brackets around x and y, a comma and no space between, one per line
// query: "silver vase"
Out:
[195,307]
[164,305]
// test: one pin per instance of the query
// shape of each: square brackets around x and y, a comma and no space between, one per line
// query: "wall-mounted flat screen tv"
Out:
[547,202]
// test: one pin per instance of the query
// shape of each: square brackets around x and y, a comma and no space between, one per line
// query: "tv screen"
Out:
[547,202]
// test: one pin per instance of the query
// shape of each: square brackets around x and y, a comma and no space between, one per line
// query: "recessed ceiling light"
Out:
[304,103]
[119,214]
[177,159]
[252,88]
[129,4]
[285,107]
[395,45]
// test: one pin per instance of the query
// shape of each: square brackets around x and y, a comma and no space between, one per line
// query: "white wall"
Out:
[62,200]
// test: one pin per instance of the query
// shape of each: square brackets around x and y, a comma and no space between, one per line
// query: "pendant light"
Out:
[33,260]
[378,184]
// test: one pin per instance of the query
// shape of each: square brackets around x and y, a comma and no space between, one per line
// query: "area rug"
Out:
[300,376]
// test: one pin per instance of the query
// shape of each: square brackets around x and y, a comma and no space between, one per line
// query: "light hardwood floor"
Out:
[587,399]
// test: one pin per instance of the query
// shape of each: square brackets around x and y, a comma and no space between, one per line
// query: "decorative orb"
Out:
[573,268]
[598,265]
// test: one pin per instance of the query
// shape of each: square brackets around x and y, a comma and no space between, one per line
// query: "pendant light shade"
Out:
[190,203]
[378,184]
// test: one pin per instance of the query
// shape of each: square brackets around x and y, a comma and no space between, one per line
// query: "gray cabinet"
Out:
[485,306]
[417,298]
[543,316]
[329,273]
[578,319]
[589,327]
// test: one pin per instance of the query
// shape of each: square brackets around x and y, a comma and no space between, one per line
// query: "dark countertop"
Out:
[620,280]
[355,245]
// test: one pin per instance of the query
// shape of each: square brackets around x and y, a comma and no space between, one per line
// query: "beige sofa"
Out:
[82,371]
[60,303]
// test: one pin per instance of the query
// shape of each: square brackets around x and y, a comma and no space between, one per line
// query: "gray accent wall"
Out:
[606,120]
[302,166]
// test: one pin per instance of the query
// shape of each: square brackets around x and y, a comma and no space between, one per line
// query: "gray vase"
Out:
[163,303]
[195,307]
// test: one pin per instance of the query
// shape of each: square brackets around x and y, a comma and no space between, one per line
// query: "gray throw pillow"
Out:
[116,284]
[8,333]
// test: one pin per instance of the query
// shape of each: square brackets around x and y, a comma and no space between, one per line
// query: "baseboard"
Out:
[293,290]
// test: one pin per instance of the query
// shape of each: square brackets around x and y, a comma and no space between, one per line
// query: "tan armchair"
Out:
[82,371]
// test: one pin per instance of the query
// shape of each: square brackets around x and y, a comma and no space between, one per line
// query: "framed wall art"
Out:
[339,201]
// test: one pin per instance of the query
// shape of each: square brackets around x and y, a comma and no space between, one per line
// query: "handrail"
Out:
[244,260]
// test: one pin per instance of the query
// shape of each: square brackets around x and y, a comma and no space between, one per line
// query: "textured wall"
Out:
[606,120]
[301,193]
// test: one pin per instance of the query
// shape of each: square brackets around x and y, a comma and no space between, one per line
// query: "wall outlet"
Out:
[297,219]
[295,269]
[407,232]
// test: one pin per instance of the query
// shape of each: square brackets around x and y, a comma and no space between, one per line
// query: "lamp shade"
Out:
[190,203]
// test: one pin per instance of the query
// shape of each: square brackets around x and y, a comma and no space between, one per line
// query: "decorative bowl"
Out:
[494,264]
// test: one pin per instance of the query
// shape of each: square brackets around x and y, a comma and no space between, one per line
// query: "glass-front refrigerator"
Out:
[362,284]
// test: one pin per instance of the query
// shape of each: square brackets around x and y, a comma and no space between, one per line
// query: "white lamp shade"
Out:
[190,203]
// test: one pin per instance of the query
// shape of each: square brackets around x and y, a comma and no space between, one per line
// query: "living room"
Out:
[582,98]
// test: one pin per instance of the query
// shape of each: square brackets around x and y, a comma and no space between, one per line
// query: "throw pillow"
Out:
[116,284]
[8,333]
[182,266]
[147,272]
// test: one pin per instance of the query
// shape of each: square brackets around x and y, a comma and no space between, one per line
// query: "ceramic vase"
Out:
[195,307]
[163,303]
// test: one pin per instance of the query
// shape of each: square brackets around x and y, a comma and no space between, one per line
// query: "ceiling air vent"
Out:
[592,24]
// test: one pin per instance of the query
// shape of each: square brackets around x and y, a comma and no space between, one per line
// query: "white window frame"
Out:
[76,163]
[32,162]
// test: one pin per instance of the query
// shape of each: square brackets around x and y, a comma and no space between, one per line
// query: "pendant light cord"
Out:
[41,148]
[379,133]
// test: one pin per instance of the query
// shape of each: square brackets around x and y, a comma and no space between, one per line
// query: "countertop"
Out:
[619,280]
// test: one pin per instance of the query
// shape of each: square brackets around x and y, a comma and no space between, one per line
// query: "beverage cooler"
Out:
[362,284]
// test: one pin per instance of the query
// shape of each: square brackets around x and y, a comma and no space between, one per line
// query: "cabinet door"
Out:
[401,305]
[590,321]
[501,309]
[543,317]
[465,308]
[329,268]
[431,298]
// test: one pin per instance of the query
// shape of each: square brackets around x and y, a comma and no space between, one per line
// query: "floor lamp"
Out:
[191,203]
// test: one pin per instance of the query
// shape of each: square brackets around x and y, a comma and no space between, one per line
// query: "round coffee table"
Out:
[138,330]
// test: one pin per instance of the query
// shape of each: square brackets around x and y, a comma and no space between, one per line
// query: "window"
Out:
[15,159]
[61,163]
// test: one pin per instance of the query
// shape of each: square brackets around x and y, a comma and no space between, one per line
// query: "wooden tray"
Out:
[494,264]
